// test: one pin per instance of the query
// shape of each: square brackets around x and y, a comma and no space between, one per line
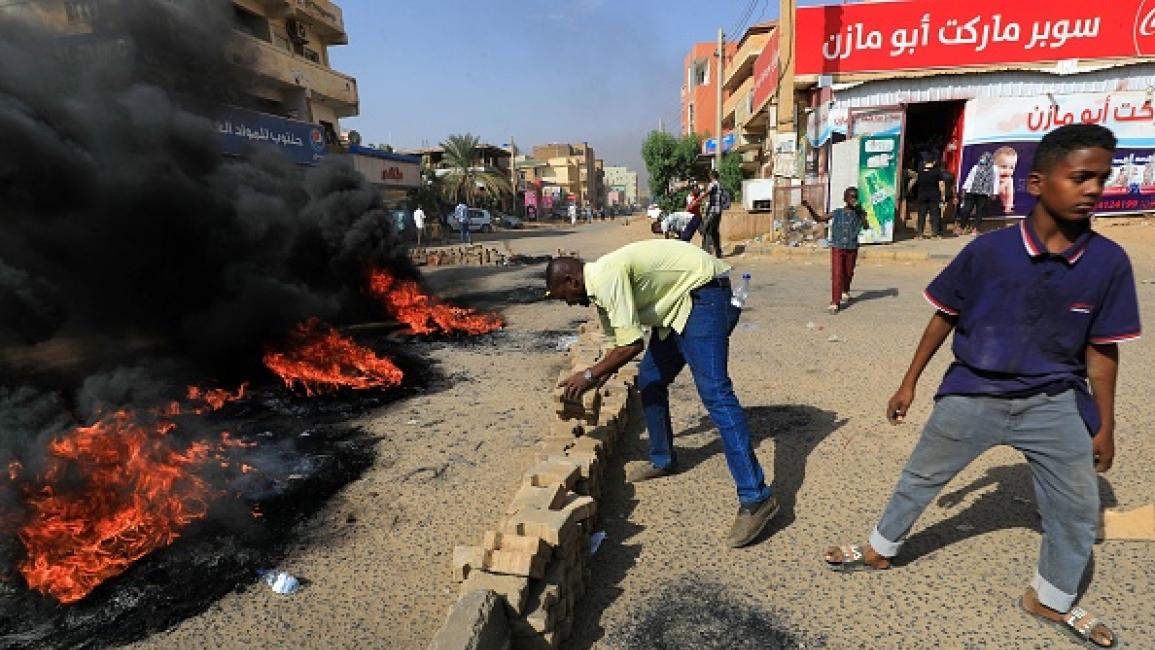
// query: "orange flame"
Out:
[214,398]
[132,493]
[423,313]
[319,359]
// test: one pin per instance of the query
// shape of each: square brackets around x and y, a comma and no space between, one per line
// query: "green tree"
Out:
[730,175]
[670,160]
[467,180]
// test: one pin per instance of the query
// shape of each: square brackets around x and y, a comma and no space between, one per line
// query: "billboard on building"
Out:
[923,34]
[1010,128]
[766,73]
[242,130]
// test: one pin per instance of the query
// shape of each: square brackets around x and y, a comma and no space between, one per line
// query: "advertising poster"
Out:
[878,186]
[1010,129]
[242,130]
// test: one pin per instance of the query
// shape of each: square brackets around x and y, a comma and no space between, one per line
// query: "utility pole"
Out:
[718,83]
[513,175]
[787,10]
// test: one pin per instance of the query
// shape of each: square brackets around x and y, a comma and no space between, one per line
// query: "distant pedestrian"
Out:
[929,191]
[572,215]
[589,214]
[978,190]
[694,207]
[712,216]
[419,223]
[845,224]
[461,214]
[1036,311]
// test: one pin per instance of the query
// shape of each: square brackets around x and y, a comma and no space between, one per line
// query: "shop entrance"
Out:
[934,129]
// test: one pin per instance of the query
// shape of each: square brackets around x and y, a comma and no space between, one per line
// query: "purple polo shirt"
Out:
[1025,316]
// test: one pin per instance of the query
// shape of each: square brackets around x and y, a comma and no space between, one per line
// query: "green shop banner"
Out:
[877,187]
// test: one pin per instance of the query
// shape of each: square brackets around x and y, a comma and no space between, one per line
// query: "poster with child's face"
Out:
[1009,128]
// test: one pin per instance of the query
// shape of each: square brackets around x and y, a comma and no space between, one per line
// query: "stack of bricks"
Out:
[470,255]
[538,557]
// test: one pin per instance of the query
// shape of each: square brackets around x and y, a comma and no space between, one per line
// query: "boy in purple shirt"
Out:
[1036,311]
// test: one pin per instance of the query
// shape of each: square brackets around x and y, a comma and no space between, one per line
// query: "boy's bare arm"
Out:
[813,214]
[1102,370]
[939,327]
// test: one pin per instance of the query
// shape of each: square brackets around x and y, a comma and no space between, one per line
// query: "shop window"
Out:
[311,55]
[80,11]
[252,24]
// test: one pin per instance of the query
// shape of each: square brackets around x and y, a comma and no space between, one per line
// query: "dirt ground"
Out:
[815,386]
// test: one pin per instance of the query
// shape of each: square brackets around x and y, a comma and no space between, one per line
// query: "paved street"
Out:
[814,386]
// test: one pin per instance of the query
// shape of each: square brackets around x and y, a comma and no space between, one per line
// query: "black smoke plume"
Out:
[134,257]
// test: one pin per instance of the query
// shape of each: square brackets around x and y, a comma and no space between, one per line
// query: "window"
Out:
[700,74]
[311,55]
[250,23]
[80,11]
[281,42]
[690,118]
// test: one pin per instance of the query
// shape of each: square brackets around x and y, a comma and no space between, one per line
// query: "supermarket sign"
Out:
[922,34]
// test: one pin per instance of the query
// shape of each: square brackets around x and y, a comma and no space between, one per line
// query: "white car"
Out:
[480,220]
[654,212]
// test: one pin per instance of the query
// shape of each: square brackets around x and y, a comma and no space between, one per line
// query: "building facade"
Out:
[699,89]
[564,173]
[622,185]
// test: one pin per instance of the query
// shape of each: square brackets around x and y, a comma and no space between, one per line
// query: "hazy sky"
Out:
[602,71]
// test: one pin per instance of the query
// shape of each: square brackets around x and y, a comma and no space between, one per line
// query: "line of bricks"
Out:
[537,559]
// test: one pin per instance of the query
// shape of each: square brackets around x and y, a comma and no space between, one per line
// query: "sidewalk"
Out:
[905,250]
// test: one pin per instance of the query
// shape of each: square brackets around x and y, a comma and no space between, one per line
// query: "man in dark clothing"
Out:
[929,189]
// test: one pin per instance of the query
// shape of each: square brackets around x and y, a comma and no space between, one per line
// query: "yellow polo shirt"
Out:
[648,284]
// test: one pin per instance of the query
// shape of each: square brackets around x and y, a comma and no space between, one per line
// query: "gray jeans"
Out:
[1051,435]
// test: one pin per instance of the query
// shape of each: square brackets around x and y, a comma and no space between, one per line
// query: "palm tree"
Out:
[466,176]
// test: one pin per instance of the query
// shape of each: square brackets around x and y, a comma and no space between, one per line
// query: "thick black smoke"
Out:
[134,257]
[121,221]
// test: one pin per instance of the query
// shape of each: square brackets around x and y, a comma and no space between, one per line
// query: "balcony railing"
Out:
[299,72]
[324,16]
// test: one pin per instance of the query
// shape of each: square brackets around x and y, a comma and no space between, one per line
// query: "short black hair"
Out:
[1058,144]
[849,190]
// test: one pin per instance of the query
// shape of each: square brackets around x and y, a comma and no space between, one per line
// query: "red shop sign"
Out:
[392,174]
[766,72]
[947,34]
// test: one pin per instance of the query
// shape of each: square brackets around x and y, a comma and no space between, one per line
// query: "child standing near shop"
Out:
[1036,311]
[845,224]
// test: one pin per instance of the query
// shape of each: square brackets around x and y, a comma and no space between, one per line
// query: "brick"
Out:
[465,560]
[548,497]
[477,621]
[565,429]
[551,525]
[586,444]
[557,471]
[552,447]
[512,589]
[495,541]
[515,563]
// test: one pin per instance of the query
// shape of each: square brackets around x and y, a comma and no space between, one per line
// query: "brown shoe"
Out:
[750,522]
[645,471]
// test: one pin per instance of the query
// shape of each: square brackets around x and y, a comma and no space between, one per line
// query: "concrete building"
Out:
[750,79]
[571,171]
[286,42]
[622,181]
[699,89]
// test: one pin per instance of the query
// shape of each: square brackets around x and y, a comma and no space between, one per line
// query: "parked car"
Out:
[480,220]
[508,220]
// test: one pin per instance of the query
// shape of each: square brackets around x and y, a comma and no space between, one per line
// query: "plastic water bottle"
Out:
[741,292]
[280,582]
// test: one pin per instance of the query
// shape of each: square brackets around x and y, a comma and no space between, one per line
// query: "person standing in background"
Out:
[929,188]
[978,190]
[712,216]
[461,214]
[419,223]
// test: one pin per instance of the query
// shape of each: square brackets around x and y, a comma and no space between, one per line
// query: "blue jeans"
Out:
[1049,431]
[704,345]
[466,237]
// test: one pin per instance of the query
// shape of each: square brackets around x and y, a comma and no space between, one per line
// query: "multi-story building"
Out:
[285,42]
[571,171]
[623,181]
[699,89]
[750,78]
